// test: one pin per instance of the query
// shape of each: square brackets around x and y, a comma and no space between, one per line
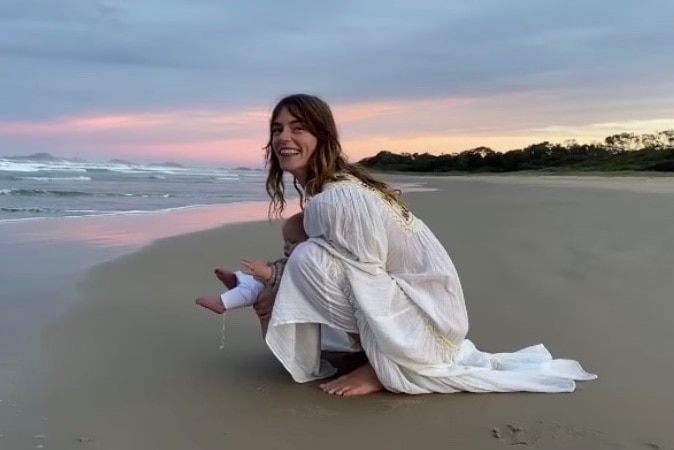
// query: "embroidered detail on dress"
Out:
[410,224]
[402,214]
[337,266]
[339,274]
[442,340]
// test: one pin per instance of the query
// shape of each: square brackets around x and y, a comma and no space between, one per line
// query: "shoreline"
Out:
[135,364]
[537,173]
[655,185]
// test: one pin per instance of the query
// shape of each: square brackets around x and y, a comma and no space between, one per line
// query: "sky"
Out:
[194,81]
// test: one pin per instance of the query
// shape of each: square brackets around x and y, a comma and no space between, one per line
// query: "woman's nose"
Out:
[284,135]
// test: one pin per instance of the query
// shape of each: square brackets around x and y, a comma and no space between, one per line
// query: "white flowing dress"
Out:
[372,268]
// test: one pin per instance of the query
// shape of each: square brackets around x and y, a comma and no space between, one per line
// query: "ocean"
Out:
[52,187]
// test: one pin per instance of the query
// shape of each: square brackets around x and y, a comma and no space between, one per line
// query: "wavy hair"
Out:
[328,163]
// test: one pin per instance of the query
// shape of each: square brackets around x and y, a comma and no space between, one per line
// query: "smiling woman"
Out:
[294,143]
[376,273]
[301,125]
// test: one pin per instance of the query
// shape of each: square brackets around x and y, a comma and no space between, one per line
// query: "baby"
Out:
[245,286]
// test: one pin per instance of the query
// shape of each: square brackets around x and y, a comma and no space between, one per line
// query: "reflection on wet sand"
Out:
[133,230]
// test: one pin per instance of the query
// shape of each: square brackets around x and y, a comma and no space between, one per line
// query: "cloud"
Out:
[200,77]
[77,57]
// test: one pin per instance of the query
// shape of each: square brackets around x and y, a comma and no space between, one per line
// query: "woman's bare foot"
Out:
[361,381]
[227,277]
[212,303]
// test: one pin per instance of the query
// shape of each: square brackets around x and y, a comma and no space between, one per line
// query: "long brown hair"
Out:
[327,163]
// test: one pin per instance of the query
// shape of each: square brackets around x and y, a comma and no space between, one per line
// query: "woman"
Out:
[373,270]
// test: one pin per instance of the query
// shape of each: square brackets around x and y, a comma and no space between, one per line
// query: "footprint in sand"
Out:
[530,435]
[655,446]
[389,405]
[85,439]
[313,411]
[517,435]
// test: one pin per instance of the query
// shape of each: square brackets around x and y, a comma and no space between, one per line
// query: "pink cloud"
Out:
[350,112]
[132,121]
[236,151]
[73,125]
[251,119]
[435,126]
[99,123]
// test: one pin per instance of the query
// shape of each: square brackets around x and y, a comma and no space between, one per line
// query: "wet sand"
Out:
[584,269]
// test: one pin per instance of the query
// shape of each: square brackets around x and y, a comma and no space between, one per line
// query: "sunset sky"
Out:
[193,81]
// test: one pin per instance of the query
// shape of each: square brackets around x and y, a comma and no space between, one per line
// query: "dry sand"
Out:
[586,271]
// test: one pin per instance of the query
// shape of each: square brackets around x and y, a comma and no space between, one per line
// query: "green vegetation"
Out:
[619,152]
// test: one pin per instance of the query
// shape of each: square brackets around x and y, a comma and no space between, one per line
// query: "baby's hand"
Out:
[261,270]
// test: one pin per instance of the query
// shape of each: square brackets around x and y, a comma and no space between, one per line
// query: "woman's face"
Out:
[292,144]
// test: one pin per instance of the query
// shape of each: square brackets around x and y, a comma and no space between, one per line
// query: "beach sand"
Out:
[587,271]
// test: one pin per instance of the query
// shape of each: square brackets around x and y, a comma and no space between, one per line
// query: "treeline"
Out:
[619,152]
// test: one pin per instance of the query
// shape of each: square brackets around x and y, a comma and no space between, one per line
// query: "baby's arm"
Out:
[261,270]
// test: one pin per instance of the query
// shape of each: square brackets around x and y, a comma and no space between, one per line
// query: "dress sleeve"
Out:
[350,219]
